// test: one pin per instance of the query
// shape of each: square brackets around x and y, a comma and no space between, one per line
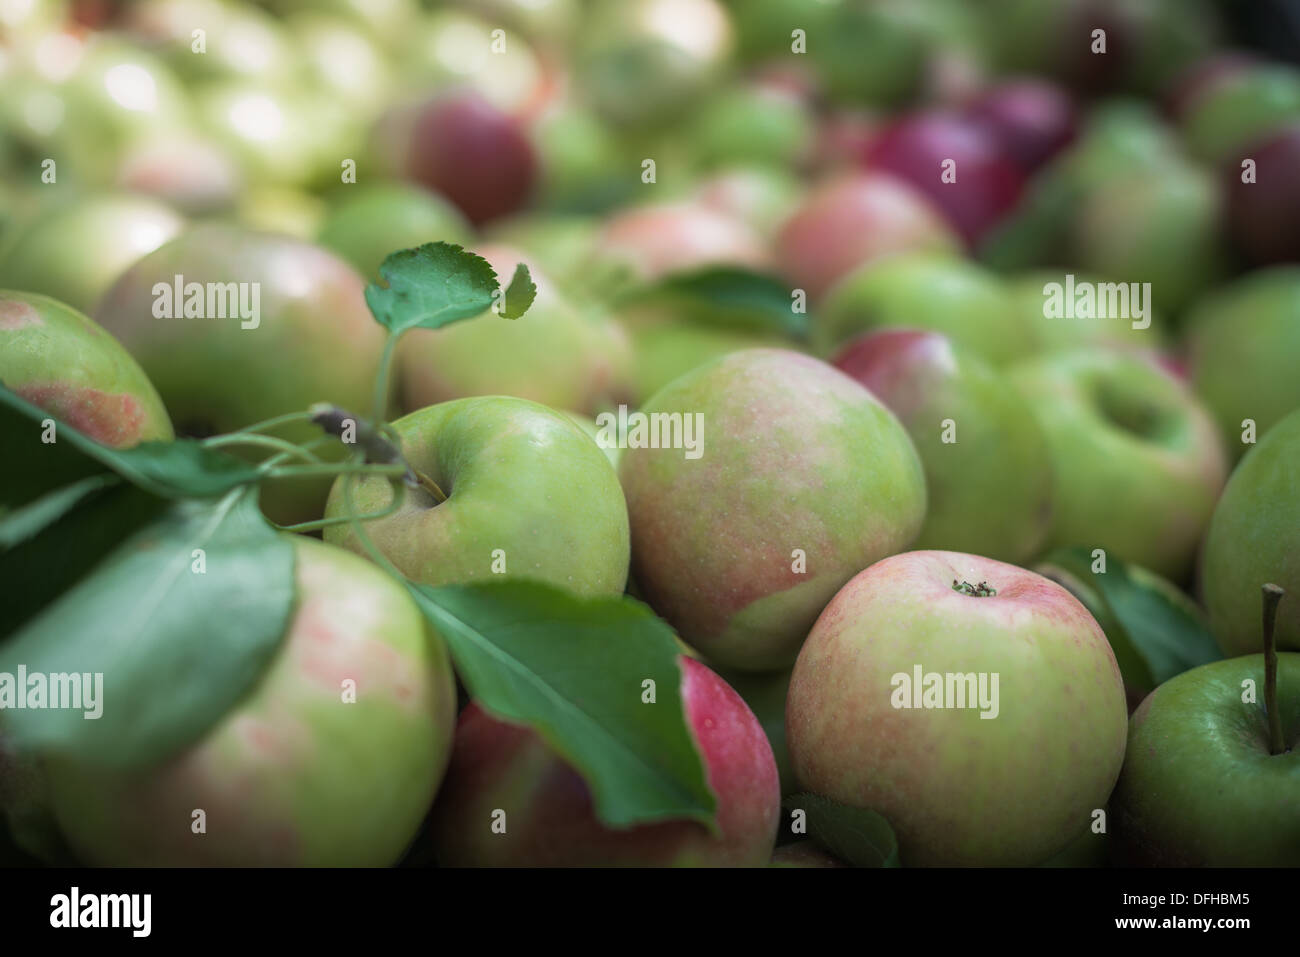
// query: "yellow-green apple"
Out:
[74,251]
[559,354]
[974,704]
[1254,537]
[1244,346]
[988,476]
[1137,462]
[293,775]
[756,486]
[960,299]
[367,223]
[851,220]
[528,495]
[56,358]
[550,821]
[260,326]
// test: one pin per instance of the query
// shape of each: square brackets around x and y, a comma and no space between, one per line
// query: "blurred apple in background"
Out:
[987,472]
[194,174]
[460,145]
[1045,332]
[449,48]
[584,166]
[561,245]
[1202,78]
[1241,106]
[1264,216]
[1032,119]
[658,239]
[77,247]
[1244,350]
[761,197]
[953,296]
[367,223]
[240,41]
[756,125]
[854,219]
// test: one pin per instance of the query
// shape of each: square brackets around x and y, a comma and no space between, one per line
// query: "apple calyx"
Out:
[1276,740]
[982,590]
[379,449]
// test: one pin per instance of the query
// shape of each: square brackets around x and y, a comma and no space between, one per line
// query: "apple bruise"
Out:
[116,420]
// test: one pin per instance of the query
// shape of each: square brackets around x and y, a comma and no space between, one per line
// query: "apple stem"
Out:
[1276,742]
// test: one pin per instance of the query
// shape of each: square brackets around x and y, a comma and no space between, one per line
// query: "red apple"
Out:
[1264,216]
[549,818]
[1032,119]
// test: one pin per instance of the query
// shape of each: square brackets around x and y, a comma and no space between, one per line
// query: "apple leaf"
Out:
[730,297]
[1154,629]
[857,836]
[177,642]
[575,670]
[437,283]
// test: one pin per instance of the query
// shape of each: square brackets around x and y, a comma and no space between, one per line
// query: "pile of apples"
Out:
[828,231]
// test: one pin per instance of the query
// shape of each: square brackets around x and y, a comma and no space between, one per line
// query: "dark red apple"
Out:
[1032,119]
[1264,216]
[975,190]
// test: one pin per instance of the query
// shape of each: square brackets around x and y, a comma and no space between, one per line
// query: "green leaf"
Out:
[177,647]
[437,283]
[858,836]
[572,669]
[730,297]
[520,294]
[1154,629]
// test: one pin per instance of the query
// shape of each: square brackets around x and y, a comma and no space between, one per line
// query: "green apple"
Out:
[310,339]
[528,495]
[758,485]
[1240,109]
[600,436]
[763,126]
[367,223]
[960,299]
[56,358]
[1244,345]
[896,705]
[1200,786]
[1136,460]
[293,775]
[1034,296]
[503,768]
[987,470]
[1254,537]
[76,249]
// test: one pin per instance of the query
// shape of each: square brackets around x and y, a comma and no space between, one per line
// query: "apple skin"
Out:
[960,299]
[1031,119]
[852,220]
[292,776]
[1254,538]
[990,491]
[1264,217]
[370,222]
[316,342]
[1137,461]
[75,252]
[959,790]
[1199,787]
[796,455]
[765,693]
[1244,346]
[519,477]
[557,353]
[656,240]
[550,821]
[56,358]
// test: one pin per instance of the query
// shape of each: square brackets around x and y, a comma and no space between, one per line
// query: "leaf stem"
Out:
[335,468]
[266,441]
[260,426]
[380,408]
[1276,741]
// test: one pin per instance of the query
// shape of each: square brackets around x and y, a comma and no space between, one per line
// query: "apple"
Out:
[56,358]
[561,245]
[559,354]
[292,776]
[475,51]
[803,854]
[461,146]
[762,198]
[190,173]
[1254,537]
[852,219]
[761,125]
[654,240]
[1244,344]
[988,474]
[1204,783]
[529,495]
[765,693]
[312,340]
[958,163]
[1247,105]
[550,822]
[791,478]
[1204,77]
[667,345]
[1137,462]
[1032,119]
[585,166]
[598,435]
[367,223]
[1032,295]
[74,250]
[1263,215]
[959,790]
[958,298]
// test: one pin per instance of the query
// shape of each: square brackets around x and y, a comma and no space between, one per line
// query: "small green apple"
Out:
[56,358]
[1242,108]
[367,223]
[783,478]
[975,705]
[528,495]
